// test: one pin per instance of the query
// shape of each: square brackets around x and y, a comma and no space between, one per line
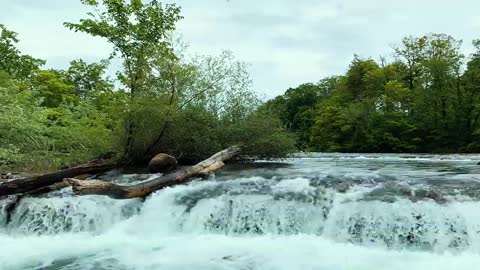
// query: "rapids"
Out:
[313,211]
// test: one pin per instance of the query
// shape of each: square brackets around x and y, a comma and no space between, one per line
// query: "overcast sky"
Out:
[286,42]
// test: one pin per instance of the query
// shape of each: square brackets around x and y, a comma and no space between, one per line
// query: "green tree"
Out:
[207,105]
[88,79]
[297,106]
[422,101]
[137,31]
[18,65]
[410,55]
[333,130]
[52,88]
[469,109]
[356,84]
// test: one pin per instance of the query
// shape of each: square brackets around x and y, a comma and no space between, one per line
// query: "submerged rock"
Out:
[389,191]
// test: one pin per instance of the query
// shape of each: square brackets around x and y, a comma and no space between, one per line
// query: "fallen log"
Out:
[12,205]
[24,185]
[142,190]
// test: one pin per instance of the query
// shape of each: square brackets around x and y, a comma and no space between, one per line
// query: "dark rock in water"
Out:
[423,194]
[342,187]
[389,191]
[162,163]
[389,198]
[478,163]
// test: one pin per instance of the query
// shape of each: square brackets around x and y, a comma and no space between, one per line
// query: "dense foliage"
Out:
[160,101]
[426,100]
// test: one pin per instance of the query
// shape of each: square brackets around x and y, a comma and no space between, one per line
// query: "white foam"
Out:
[192,251]
[251,223]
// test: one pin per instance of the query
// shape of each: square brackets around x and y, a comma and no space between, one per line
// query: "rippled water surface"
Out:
[314,211]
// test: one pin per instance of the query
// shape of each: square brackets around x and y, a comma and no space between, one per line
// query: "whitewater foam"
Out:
[298,219]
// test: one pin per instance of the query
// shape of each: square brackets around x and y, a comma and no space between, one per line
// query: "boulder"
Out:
[162,163]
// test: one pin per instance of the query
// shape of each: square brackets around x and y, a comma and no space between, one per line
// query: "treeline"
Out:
[426,100]
[160,101]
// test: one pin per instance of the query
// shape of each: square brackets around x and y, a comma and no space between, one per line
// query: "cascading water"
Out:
[315,211]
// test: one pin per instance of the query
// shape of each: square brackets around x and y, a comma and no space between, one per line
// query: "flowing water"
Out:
[314,211]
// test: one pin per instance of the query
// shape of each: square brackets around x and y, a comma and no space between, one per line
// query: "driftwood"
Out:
[12,205]
[142,190]
[37,183]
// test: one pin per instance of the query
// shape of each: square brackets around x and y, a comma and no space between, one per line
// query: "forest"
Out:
[426,100]
[156,156]
[158,101]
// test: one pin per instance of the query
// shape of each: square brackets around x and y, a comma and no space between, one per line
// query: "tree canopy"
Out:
[425,100]
[159,101]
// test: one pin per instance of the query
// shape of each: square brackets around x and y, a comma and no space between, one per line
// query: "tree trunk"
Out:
[144,189]
[28,184]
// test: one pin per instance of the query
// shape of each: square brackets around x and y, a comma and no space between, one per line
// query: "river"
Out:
[314,211]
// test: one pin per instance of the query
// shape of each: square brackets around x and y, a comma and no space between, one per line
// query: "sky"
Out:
[284,42]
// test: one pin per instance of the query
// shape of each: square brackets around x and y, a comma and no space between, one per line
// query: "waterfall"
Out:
[298,217]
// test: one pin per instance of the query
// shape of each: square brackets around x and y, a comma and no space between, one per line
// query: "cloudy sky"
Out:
[286,42]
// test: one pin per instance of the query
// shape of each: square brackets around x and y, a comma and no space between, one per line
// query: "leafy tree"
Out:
[296,107]
[410,56]
[137,31]
[469,109]
[19,66]
[421,102]
[207,105]
[356,84]
[166,102]
[88,79]
[36,138]
[333,130]
[52,88]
